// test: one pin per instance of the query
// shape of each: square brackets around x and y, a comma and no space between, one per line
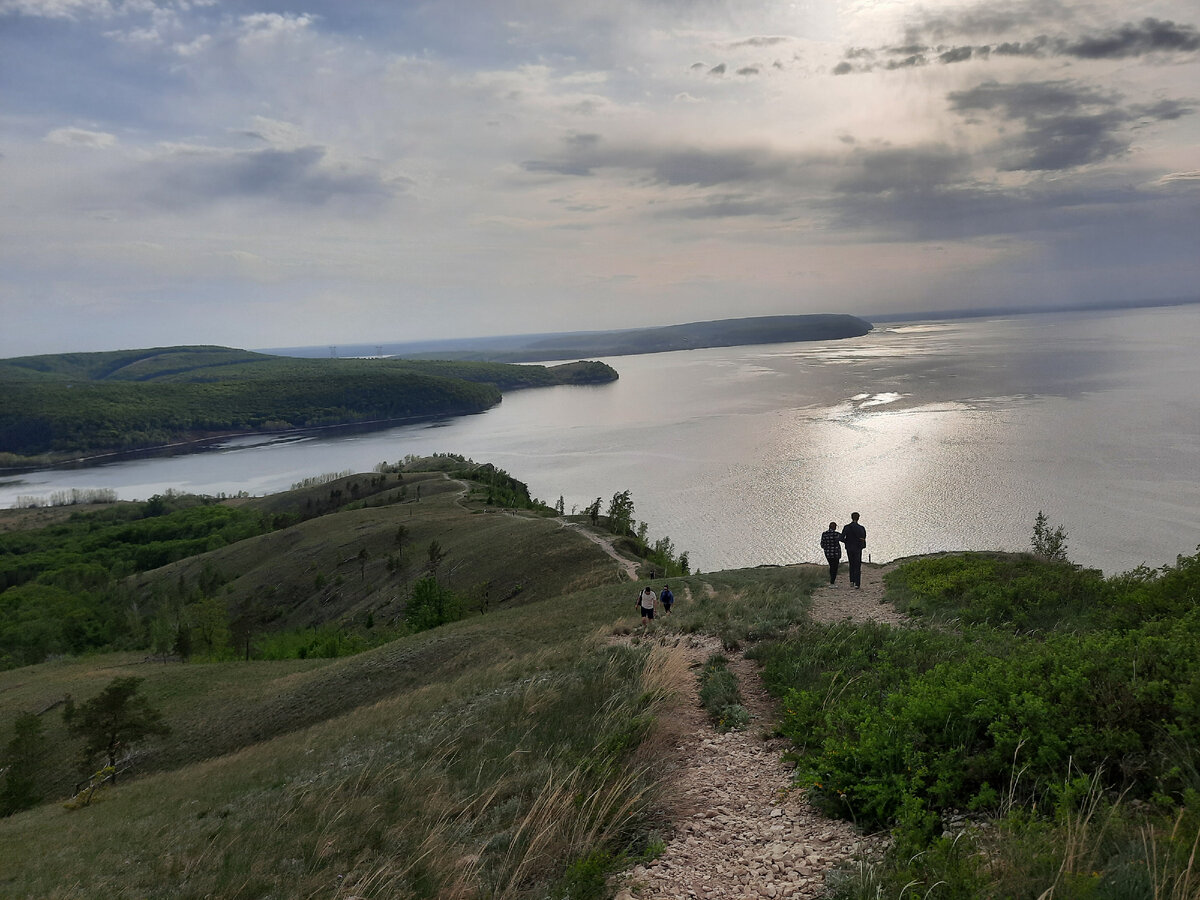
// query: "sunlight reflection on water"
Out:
[943,435]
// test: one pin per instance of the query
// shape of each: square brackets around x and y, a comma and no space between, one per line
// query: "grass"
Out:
[313,573]
[744,606]
[508,755]
[720,697]
[485,776]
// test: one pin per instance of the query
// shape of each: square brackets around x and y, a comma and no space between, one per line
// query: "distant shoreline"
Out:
[994,311]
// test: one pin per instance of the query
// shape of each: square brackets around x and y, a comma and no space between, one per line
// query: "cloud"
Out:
[1189,178]
[192,177]
[724,206]
[924,42]
[666,164]
[81,137]
[1065,124]
[56,9]
[1148,36]
[909,170]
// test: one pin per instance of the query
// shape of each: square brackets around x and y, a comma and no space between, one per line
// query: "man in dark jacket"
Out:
[854,536]
[831,543]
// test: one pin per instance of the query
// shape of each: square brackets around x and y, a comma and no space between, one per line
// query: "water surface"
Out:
[944,435]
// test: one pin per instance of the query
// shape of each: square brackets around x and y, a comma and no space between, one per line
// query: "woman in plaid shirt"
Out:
[831,543]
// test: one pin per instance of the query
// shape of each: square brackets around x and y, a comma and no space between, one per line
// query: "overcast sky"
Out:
[263,174]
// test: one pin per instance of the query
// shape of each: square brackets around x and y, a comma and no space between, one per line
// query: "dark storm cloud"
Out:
[665,165]
[1024,100]
[905,169]
[1065,125]
[292,177]
[925,41]
[1148,36]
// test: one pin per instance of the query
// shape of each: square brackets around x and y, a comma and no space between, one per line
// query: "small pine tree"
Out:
[1048,543]
[112,721]
[19,764]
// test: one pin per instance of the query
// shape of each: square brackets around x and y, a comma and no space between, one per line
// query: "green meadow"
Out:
[422,682]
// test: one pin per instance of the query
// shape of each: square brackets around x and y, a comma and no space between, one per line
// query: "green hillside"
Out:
[1030,733]
[71,405]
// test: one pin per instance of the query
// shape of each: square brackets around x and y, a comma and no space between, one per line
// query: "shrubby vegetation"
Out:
[63,588]
[1044,696]
[74,404]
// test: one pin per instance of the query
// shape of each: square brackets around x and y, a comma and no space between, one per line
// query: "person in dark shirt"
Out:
[854,536]
[831,544]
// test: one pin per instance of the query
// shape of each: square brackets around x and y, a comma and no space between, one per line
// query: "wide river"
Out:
[944,435]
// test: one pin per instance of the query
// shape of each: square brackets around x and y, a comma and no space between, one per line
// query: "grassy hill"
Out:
[506,754]
[89,403]
[1032,734]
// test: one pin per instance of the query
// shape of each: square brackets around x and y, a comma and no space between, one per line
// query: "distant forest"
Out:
[575,345]
[70,405]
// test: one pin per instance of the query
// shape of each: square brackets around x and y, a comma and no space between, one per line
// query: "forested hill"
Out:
[71,405]
[576,345]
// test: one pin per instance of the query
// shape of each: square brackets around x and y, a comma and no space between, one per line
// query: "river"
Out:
[944,435]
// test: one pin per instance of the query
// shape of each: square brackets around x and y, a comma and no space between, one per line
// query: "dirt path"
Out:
[835,603]
[739,828]
[628,567]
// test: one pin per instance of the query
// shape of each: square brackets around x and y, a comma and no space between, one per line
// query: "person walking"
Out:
[854,536]
[831,543]
[666,598]
[646,601]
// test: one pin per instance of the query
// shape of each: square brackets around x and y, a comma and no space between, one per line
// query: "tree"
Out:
[211,616]
[432,605]
[436,555]
[113,721]
[620,513]
[1049,543]
[593,511]
[19,765]
[560,507]
[363,556]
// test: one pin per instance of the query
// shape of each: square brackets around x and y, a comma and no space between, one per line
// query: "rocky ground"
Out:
[738,828]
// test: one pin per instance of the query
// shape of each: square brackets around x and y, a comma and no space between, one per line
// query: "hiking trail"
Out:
[738,828]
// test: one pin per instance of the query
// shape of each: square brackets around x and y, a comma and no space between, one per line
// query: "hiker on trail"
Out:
[831,543]
[667,598]
[854,536]
[646,601]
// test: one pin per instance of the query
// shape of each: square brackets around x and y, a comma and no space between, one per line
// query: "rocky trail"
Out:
[738,827]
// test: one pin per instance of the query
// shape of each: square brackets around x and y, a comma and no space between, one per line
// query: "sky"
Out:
[267,174]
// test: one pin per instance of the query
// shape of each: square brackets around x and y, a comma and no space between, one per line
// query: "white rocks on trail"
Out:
[739,828]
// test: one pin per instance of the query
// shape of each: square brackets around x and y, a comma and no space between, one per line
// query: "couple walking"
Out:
[854,536]
[647,600]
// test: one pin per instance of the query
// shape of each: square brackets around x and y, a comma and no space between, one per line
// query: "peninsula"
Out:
[80,406]
[589,344]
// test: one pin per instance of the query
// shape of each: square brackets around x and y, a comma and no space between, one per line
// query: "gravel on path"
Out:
[739,827]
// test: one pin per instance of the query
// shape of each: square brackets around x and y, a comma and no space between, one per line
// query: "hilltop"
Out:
[75,405]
